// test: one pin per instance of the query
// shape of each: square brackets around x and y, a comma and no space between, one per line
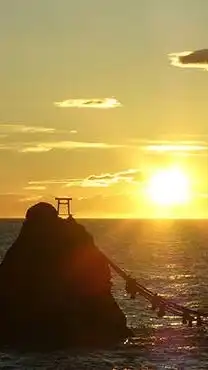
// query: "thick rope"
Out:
[133,287]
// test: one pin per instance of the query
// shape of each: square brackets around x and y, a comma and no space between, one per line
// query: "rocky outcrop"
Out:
[55,287]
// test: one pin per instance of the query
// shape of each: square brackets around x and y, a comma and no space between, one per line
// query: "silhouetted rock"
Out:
[55,287]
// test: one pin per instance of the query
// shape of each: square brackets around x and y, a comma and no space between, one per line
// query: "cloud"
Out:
[107,179]
[37,187]
[157,146]
[34,198]
[62,140]
[16,128]
[181,147]
[178,147]
[40,147]
[7,129]
[103,180]
[35,149]
[66,145]
[190,59]
[103,103]
[49,182]
[6,147]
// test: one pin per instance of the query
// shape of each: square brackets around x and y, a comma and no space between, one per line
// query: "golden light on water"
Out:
[169,187]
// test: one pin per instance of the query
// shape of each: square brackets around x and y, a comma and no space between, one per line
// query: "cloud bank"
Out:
[104,103]
[190,59]
[23,139]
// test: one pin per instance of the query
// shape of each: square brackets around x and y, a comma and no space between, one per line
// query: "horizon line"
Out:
[119,218]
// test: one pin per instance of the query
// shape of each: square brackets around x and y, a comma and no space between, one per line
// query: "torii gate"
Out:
[64,201]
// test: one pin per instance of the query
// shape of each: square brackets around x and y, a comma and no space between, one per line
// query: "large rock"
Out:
[55,287]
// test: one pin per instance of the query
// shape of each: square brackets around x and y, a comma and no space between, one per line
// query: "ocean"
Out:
[169,257]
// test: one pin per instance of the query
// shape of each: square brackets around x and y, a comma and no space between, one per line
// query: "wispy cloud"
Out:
[177,147]
[190,59]
[37,187]
[103,103]
[7,147]
[188,147]
[107,179]
[66,145]
[41,147]
[103,180]
[7,128]
[34,198]
[48,182]
[181,147]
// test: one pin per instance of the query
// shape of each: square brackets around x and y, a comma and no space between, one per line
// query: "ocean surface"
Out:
[169,257]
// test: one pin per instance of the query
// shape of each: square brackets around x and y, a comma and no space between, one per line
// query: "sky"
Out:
[91,106]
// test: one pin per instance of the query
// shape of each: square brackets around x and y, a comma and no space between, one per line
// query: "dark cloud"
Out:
[190,59]
[199,56]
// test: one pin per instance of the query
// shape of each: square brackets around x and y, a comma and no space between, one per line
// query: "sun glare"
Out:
[169,187]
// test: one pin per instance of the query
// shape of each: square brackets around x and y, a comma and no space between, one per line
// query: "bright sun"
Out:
[169,187]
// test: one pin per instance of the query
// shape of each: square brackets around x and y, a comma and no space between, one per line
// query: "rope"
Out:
[132,287]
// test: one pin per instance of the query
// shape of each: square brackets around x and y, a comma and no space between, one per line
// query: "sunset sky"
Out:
[91,107]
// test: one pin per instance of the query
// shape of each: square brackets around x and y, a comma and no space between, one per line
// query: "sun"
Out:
[169,187]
